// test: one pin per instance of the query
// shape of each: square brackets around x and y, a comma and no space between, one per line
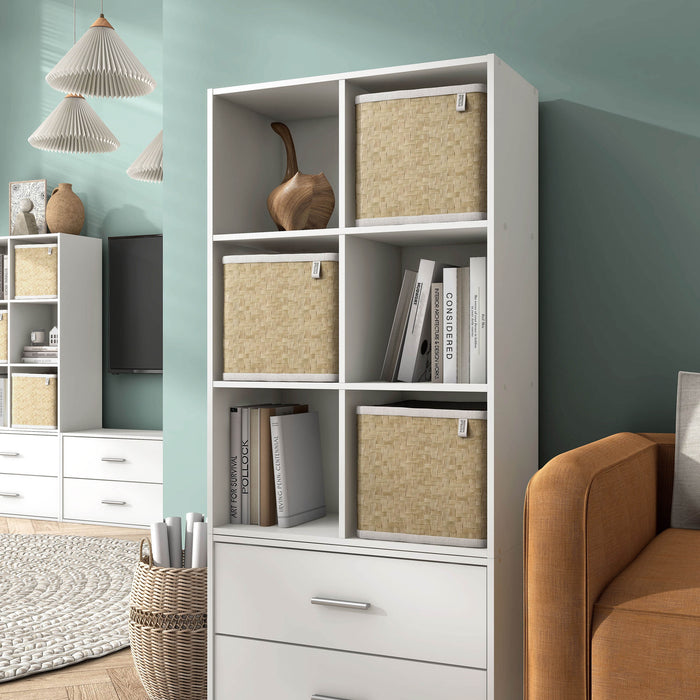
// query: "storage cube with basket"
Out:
[281,317]
[421,474]
[36,271]
[421,155]
[34,400]
[168,629]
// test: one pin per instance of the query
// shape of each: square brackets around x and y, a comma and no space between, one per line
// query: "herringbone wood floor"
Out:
[111,677]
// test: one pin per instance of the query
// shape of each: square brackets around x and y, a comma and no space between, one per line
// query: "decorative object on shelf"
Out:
[148,167]
[37,337]
[35,191]
[36,271]
[65,212]
[53,336]
[100,64]
[421,155]
[74,127]
[34,401]
[301,201]
[25,223]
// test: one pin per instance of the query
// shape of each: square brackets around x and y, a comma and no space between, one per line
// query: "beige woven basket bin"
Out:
[36,271]
[168,629]
[418,478]
[420,157]
[34,400]
[4,316]
[280,321]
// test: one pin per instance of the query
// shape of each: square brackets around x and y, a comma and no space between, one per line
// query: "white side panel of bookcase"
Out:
[513,373]
[80,332]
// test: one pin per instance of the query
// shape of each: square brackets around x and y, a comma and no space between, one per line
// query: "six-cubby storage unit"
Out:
[379,612]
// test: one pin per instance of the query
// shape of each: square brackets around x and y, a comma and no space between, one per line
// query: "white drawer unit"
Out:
[116,459]
[29,454]
[421,610]
[286,671]
[35,496]
[115,502]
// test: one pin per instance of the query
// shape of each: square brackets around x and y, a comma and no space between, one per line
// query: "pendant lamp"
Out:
[74,127]
[100,64]
[148,167]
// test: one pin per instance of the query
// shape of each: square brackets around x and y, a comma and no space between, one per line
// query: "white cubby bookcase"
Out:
[245,162]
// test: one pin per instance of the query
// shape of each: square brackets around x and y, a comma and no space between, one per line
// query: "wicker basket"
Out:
[34,400]
[419,478]
[280,322]
[36,271]
[168,629]
[4,315]
[420,157]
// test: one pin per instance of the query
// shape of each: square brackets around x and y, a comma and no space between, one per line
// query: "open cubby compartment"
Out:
[322,400]
[249,159]
[30,316]
[373,274]
[458,72]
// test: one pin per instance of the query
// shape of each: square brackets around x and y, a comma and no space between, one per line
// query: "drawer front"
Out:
[300,673]
[29,454]
[420,610]
[117,502]
[113,459]
[29,495]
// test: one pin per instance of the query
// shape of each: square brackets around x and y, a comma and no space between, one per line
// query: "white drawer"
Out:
[29,495]
[113,459]
[418,610]
[249,669]
[118,502]
[29,454]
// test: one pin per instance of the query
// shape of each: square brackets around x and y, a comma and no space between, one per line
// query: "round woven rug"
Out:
[63,599]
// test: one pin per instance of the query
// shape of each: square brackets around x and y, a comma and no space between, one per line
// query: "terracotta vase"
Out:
[301,201]
[64,210]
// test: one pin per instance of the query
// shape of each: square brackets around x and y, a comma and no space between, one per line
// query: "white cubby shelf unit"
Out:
[245,162]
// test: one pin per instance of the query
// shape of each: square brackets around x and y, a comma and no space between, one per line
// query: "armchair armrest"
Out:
[588,513]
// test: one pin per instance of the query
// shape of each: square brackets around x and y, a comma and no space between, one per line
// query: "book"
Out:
[40,353]
[245,465]
[298,467]
[2,276]
[477,321]
[235,465]
[4,403]
[449,325]
[268,500]
[436,332]
[463,276]
[398,328]
[40,360]
[5,276]
[254,466]
[40,348]
[414,365]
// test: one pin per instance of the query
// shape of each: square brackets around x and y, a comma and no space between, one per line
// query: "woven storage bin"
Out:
[280,322]
[34,400]
[168,630]
[420,159]
[4,315]
[36,271]
[418,480]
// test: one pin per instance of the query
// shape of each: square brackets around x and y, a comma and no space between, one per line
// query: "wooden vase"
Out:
[64,210]
[301,201]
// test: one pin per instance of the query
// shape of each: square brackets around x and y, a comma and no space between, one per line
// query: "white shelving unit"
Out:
[458,609]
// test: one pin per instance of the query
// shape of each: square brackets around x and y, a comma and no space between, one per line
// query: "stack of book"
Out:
[4,276]
[4,402]
[439,328]
[276,470]
[40,354]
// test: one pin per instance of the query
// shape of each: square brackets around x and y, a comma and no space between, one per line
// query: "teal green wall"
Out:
[619,174]
[34,35]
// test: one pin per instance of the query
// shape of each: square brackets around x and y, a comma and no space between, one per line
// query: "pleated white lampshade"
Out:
[100,64]
[148,167]
[74,127]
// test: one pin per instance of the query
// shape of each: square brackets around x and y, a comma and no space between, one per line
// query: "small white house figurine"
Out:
[53,336]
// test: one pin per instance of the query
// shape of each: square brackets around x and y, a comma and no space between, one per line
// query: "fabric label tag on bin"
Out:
[462,427]
[316,269]
[462,102]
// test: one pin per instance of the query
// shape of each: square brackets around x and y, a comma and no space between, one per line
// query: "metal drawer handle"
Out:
[8,494]
[9,454]
[316,696]
[109,502]
[113,459]
[332,602]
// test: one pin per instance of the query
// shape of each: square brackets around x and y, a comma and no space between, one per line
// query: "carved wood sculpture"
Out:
[301,201]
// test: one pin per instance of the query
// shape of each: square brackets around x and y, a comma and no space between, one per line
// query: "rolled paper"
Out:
[159,544]
[199,545]
[175,540]
[191,519]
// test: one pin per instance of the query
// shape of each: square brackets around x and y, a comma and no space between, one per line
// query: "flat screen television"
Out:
[135,268]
